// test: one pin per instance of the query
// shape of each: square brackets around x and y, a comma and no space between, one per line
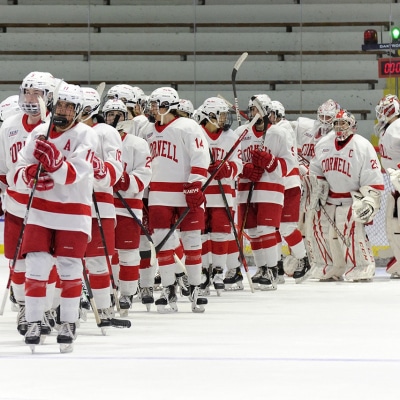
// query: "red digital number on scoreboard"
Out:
[389,68]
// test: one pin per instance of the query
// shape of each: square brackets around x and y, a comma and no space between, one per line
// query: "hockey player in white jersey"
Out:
[107,169]
[14,133]
[291,206]
[266,155]
[214,120]
[180,160]
[387,113]
[135,178]
[346,195]
[60,219]
[9,107]
[185,108]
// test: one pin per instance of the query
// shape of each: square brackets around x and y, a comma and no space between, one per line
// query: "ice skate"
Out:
[167,301]
[157,282]
[218,280]
[105,320]
[66,337]
[281,273]
[84,308]
[183,284]
[303,270]
[233,279]
[32,337]
[256,278]
[22,324]
[197,302]
[146,295]
[205,282]
[13,301]
[268,278]
[125,303]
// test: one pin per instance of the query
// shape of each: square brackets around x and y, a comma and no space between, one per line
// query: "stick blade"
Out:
[100,88]
[238,63]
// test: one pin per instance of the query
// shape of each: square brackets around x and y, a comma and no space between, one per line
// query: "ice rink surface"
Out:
[330,341]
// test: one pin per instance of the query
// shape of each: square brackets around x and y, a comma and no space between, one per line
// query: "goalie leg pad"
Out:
[393,231]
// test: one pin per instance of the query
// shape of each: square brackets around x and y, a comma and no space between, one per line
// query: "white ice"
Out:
[331,341]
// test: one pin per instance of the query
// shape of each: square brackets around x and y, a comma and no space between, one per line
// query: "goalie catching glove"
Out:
[366,204]
[44,182]
[193,194]
[319,192]
[264,160]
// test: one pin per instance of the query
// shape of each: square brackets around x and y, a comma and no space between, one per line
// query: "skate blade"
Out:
[42,339]
[235,286]
[148,307]
[167,309]
[32,347]
[123,312]
[268,288]
[198,309]
[104,330]
[66,347]
[83,315]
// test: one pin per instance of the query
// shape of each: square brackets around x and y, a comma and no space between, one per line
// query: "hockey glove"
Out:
[99,168]
[224,172]
[394,175]
[264,160]
[45,182]
[250,171]
[48,154]
[319,192]
[194,196]
[366,204]
[123,183]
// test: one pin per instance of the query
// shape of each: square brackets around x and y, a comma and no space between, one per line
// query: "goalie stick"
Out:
[147,254]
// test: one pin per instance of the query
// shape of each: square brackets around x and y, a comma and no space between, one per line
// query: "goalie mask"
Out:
[68,107]
[9,107]
[387,108]
[327,112]
[36,84]
[344,125]
[216,111]
[91,103]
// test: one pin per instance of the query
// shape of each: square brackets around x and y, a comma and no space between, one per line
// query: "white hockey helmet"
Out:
[91,103]
[123,92]
[68,94]
[277,108]
[344,124]
[165,97]
[216,111]
[9,107]
[185,106]
[114,105]
[139,97]
[262,104]
[387,108]
[40,82]
[327,111]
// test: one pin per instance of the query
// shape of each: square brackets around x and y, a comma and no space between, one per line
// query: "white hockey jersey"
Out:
[220,143]
[271,186]
[68,205]
[136,162]
[13,135]
[109,150]
[389,146]
[179,155]
[346,168]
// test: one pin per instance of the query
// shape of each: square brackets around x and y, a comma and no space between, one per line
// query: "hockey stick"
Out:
[116,323]
[42,108]
[236,67]
[147,254]
[235,234]
[230,105]
[100,88]
[143,228]
[107,256]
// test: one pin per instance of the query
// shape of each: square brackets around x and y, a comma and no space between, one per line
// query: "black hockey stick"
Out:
[147,254]
[235,234]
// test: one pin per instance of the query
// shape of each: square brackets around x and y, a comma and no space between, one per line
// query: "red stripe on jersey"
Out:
[71,174]
[61,208]
[111,170]
[132,203]
[139,183]
[215,189]
[18,197]
[199,171]
[102,197]
[166,186]
[336,195]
